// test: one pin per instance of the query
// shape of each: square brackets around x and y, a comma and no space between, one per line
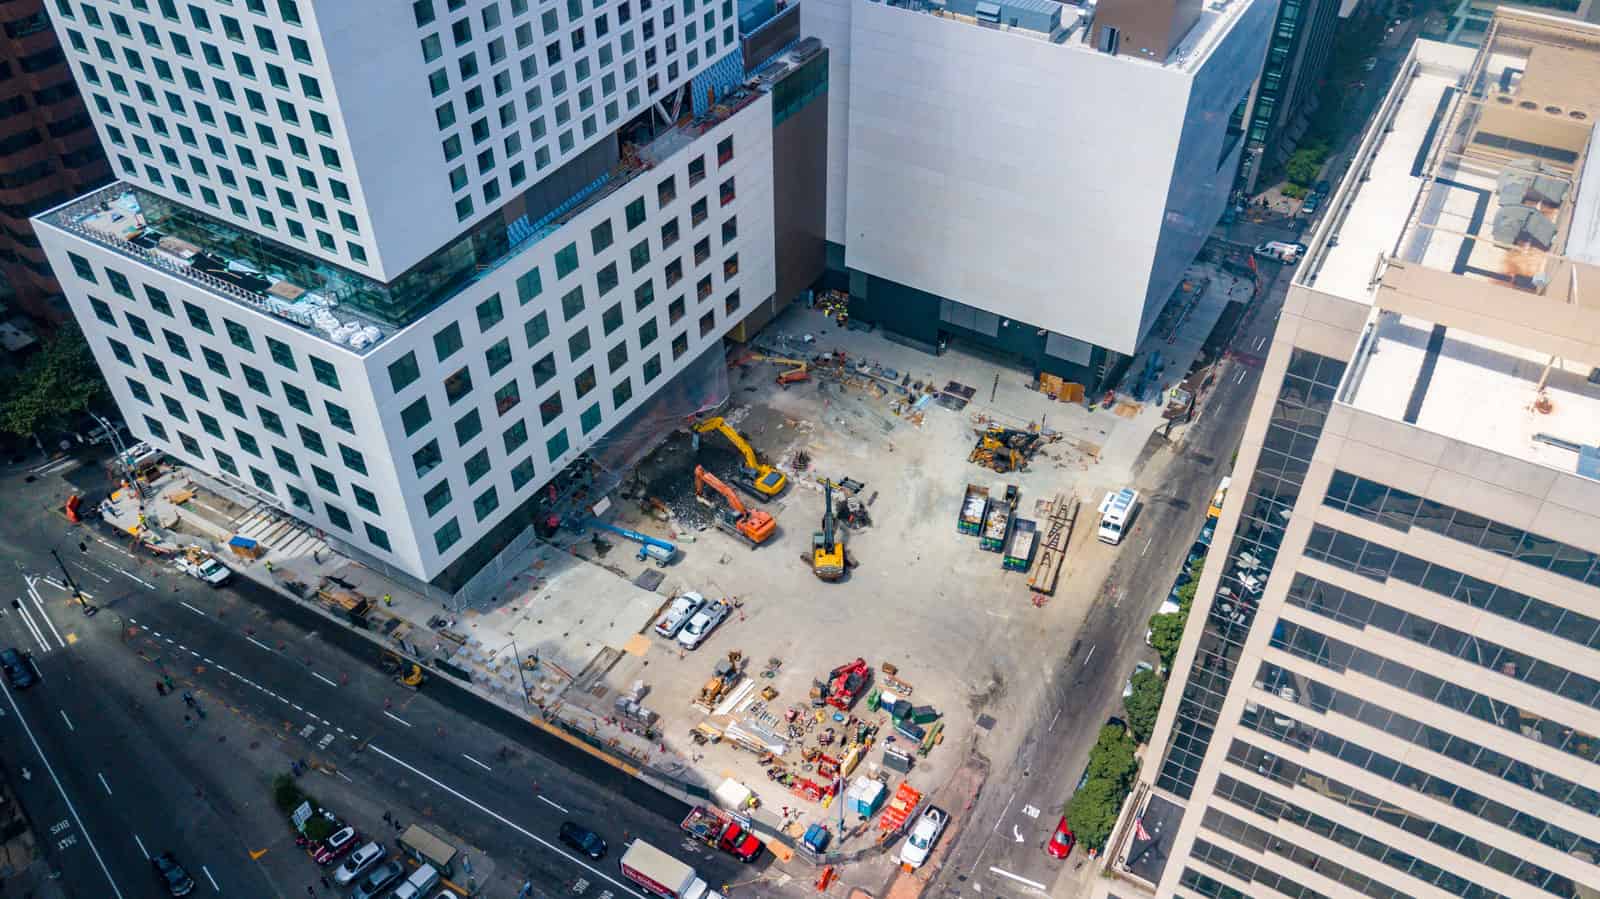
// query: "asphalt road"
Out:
[113,771]
[1000,850]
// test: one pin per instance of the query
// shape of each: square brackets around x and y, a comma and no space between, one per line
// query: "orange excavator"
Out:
[754,526]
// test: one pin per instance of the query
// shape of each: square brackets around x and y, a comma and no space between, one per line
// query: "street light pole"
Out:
[122,454]
[73,585]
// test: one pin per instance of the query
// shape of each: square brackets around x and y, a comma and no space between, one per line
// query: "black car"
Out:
[171,874]
[19,669]
[583,840]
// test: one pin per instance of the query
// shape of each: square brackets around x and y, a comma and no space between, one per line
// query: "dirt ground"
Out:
[960,629]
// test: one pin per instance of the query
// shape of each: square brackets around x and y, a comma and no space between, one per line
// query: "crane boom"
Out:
[754,525]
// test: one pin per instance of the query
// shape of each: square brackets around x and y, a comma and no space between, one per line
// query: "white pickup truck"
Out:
[205,568]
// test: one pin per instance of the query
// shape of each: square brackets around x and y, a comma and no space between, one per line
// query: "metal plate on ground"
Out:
[649,579]
[986,722]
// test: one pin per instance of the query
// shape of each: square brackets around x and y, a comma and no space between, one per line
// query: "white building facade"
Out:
[996,178]
[535,245]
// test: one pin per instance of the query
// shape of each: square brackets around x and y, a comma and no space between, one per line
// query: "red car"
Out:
[336,846]
[1061,842]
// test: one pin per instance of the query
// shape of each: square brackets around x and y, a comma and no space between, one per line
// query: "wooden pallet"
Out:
[1057,533]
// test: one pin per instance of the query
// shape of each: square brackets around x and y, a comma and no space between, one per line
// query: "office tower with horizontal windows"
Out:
[1027,176]
[1388,685]
[392,272]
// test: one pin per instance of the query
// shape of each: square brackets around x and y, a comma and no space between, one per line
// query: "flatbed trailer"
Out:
[1019,549]
[1053,545]
[974,507]
[997,526]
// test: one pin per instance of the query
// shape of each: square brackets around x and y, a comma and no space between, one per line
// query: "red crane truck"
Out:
[719,830]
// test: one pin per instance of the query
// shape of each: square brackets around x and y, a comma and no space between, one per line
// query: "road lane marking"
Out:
[38,635]
[68,720]
[1090,655]
[134,577]
[1054,720]
[552,805]
[323,679]
[397,718]
[476,762]
[1022,880]
[103,782]
[1147,546]
[191,608]
[142,851]
[50,769]
[92,573]
[1003,812]
[34,594]
[210,878]
[509,823]
[259,643]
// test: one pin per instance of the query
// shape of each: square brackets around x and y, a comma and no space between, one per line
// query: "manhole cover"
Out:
[986,722]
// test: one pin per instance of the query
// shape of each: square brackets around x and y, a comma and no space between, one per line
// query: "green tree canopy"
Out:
[1144,703]
[1092,812]
[1112,758]
[1166,632]
[1304,165]
[59,380]
[1186,592]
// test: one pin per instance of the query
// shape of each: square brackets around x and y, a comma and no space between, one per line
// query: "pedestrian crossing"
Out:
[284,537]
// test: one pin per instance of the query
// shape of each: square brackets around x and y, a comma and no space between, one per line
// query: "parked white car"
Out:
[919,842]
[356,863]
[678,613]
[702,623]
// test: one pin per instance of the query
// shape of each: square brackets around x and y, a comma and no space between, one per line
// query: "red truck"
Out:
[720,831]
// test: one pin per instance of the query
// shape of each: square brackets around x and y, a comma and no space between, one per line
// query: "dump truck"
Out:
[1019,549]
[719,830]
[998,525]
[659,874]
[974,506]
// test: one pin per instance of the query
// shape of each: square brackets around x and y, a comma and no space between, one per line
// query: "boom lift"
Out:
[827,548]
[764,481]
[799,369]
[755,526]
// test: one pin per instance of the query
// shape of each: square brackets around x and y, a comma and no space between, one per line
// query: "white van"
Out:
[1116,512]
[418,884]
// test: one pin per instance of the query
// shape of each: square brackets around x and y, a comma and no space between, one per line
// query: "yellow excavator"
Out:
[757,477]
[827,545]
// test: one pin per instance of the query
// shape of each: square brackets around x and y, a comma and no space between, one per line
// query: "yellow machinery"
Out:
[757,477]
[827,546]
[799,369]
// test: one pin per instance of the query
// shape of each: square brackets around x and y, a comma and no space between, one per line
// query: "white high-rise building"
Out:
[1030,176]
[390,266]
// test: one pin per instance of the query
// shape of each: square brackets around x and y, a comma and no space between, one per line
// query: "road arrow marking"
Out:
[1016,832]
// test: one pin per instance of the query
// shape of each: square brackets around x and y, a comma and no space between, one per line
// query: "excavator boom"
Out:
[754,525]
[766,481]
[827,551]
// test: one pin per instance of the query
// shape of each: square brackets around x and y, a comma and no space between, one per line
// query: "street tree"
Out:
[1166,632]
[1144,703]
[59,380]
[1112,758]
[1092,812]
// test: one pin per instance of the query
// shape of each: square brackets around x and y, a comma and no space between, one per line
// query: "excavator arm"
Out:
[754,525]
[767,481]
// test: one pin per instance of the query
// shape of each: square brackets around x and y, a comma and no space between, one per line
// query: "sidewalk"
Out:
[557,624]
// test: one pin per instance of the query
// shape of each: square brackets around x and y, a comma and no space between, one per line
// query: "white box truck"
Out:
[1116,512]
[659,874]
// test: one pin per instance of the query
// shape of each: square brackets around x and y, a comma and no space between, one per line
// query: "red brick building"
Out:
[49,152]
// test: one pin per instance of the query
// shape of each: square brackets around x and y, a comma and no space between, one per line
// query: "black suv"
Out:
[171,874]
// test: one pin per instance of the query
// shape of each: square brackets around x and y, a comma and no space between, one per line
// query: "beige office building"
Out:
[1390,683]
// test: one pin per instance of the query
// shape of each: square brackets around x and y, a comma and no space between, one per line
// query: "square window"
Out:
[311,440]
[365,498]
[270,420]
[498,356]
[600,236]
[214,360]
[507,398]
[403,372]
[621,393]
[529,286]
[477,466]
[584,382]
[578,344]
[652,368]
[556,446]
[617,357]
[255,380]
[590,419]
[339,416]
[261,479]
[485,504]
[300,498]
[572,303]
[458,385]
[285,461]
[226,463]
[281,354]
[427,458]
[324,372]
[537,329]
[544,370]
[247,442]
[353,460]
[325,479]
[415,416]
[376,537]
[607,278]
[680,345]
[566,260]
[447,341]
[447,536]
[338,517]
[467,427]
[437,498]
[490,313]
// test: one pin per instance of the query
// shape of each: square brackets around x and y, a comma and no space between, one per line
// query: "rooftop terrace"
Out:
[1453,224]
[342,306]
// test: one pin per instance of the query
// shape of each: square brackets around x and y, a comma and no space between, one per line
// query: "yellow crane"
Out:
[764,480]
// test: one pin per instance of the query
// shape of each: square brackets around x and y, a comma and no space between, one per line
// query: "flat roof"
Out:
[1067,25]
[1482,329]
